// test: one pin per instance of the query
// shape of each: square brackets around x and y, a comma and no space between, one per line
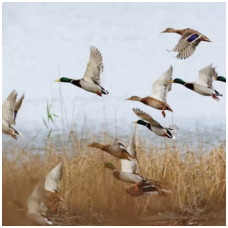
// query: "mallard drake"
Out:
[36,213]
[117,149]
[153,125]
[188,42]
[10,109]
[91,79]
[160,88]
[129,169]
[220,78]
[52,191]
[203,85]
[130,174]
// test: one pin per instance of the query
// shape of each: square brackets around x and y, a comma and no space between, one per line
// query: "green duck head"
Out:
[141,122]
[64,80]
[220,78]
[178,81]
[109,166]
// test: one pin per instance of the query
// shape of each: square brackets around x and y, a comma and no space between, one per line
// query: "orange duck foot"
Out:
[214,97]
[163,113]
[136,187]
[99,93]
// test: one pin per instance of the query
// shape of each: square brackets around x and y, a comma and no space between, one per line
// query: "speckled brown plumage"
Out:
[117,149]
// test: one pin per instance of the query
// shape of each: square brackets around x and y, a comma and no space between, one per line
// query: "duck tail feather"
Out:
[104,91]
[217,93]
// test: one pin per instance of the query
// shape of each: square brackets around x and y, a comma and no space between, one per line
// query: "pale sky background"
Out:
[37,37]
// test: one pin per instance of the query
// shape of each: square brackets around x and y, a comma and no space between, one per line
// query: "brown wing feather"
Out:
[187,52]
[182,43]
[118,150]
[17,107]
[8,107]
[146,117]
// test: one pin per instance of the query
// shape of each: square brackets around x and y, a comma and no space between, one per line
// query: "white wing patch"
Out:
[162,86]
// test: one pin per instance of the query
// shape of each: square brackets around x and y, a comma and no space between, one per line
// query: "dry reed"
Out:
[196,178]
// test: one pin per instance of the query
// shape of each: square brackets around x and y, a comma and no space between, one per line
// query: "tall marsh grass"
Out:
[197,178]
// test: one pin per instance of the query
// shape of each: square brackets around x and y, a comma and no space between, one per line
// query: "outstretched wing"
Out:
[94,66]
[187,44]
[35,199]
[206,75]
[187,52]
[146,117]
[187,38]
[17,107]
[130,166]
[8,107]
[132,148]
[162,86]
[52,179]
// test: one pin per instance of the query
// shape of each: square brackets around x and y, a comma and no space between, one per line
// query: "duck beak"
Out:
[102,166]
[128,99]
[171,81]
[215,79]
[163,31]
[204,38]
[134,122]
[57,80]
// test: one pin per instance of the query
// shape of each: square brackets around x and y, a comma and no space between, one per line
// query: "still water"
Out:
[45,41]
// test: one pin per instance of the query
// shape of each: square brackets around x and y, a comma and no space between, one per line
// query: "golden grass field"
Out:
[197,178]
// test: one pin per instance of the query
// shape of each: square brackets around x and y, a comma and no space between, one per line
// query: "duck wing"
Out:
[162,86]
[146,117]
[130,166]
[187,52]
[94,67]
[117,149]
[206,75]
[190,36]
[17,107]
[35,199]
[8,107]
[52,179]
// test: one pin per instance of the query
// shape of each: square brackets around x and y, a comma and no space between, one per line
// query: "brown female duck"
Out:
[117,149]
[188,42]
[160,88]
